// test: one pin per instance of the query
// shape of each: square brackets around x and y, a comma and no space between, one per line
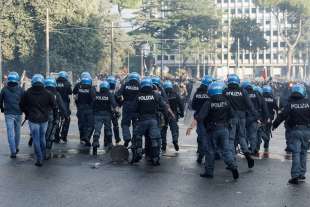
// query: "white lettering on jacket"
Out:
[102,98]
[134,88]
[83,90]
[201,96]
[218,105]
[300,106]
[146,98]
[233,93]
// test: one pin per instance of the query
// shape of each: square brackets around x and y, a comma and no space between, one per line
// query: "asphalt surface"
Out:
[75,178]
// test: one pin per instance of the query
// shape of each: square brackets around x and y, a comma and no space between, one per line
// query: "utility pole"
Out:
[128,63]
[204,61]
[47,35]
[142,61]
[0,59]
[112,49]
[238,55]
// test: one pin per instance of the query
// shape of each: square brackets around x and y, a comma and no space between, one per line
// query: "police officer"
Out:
[104,105]
[10,97]
[297,115]
[36,103]
[199,98]
[272,110]
[177,108]
[215,115]
[147,104]
[53,119]
[85,95]
[240,102]
[115,114]
[128,92]
[251,120]
[64,88]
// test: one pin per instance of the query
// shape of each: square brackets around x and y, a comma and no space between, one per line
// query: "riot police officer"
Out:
[240,103]
[104,105]
[215,115]
[272,110]
[64,88]
[128,92]
[115,114]
[199,98]
[53,119]
[147,105]
[251,120]
[297,115]
[85,95]
[177,108]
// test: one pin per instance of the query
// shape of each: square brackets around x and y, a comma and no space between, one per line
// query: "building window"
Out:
[275,33]
[219,1]
[225,56]
[268,33]
[282,44]
[219,45]
[232,1]
[247,56]
[172,57]
[240,1]
[253,10]
[268,56]
[158,57]
[268,22]
[275,56]
[233,11]
[247,10]
[166,57]
[226,11]
[225,1]
[261,56]
[239,11]
[261,10]
[268,10]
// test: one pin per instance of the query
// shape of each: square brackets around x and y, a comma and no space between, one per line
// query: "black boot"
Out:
[235,173]
[30,142]
[176,146]
[206,175]
[293,181]
[199,158]
[164,147]
[126,144]
[95,151]
[249,159]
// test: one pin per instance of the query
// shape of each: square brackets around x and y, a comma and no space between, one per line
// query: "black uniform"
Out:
[64,88]
[297,116]
[177,107]
[199,98]
[84,98]
[104,106]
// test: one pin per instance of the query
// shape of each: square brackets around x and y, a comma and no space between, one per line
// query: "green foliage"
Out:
[79,34]
[194,23]
[250,36]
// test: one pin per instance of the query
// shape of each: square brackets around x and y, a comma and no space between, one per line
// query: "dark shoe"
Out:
[155,162]
[64,139]
[205,175]
[17,150]
[199,159]
[235,173]
[57,141]
[87,144]
[94,151]
[250,160]
[39,164]
[117,140]
[293,181]
[301,177]
[164,148]
[176,146]
[13,155]
[126,144]
[30,142]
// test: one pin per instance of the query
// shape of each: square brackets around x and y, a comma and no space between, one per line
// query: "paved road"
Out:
[74,178]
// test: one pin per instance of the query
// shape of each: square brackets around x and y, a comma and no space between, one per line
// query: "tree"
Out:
[194,23]
[250,37]
[291,15]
